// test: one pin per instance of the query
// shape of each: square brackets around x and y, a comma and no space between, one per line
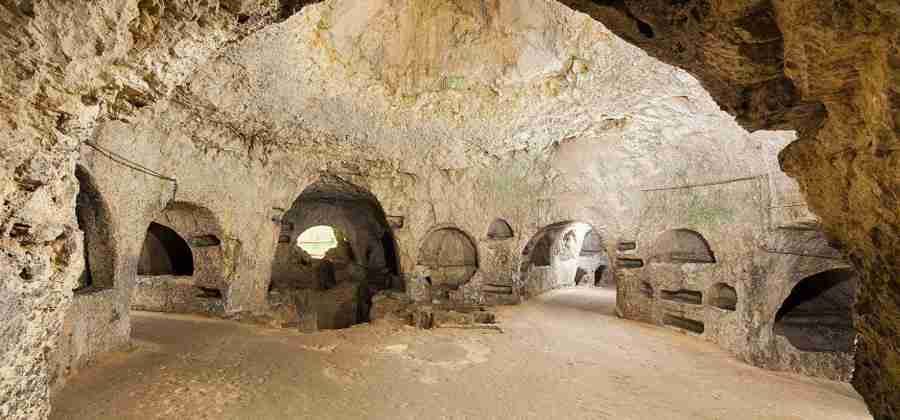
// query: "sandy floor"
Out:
[561,356]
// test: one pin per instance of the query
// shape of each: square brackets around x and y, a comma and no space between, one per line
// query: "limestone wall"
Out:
[524,110]
[231,141]
[757,255]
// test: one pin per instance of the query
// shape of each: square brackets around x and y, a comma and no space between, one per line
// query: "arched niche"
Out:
[451,257]
[563,254]
[817,316]
[359,221]
[94,221]
[165,252]
[681,246]
[592,244]
[722,296]
[499,229]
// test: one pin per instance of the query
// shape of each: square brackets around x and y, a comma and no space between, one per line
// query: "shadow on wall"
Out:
[93,219]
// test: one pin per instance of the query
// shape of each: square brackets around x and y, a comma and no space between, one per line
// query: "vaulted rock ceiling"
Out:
[461,84]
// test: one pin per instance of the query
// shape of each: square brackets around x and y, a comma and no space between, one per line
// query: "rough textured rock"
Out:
[61,77]
[695,240]
[450,113]
[828,69]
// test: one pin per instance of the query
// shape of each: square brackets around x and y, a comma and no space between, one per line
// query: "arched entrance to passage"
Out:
[96,225]
[565,254]
[593,263]
[817,316]
[335,251]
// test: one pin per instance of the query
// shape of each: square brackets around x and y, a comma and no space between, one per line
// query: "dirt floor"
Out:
[563,355]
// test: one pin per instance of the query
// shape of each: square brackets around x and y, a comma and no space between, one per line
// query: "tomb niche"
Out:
[681,246]
[499,229]
[450,256]
[165,252]
[817,316]
[722,296]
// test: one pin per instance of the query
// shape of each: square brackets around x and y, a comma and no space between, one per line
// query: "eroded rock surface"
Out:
[828,69]
[451,113]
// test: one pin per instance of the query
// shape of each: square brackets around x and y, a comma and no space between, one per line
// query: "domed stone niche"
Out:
[682,246]
[451,257]
[499,229]
[165,252]
[818,314]
[722,296]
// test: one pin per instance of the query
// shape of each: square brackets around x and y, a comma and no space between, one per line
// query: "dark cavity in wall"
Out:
[209,293]
[579,275]
[645,28]
[93,220]
[540,255]
[626,245]
[205,240]
[598,276]
[646,289]
[682,246]
[499,229]
[723,296]
[683,296]
[683,323]
[818,314]
[390,253]
[165,253]
[629,262]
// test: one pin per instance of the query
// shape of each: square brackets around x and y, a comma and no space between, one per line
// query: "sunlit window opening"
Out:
[317,240]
